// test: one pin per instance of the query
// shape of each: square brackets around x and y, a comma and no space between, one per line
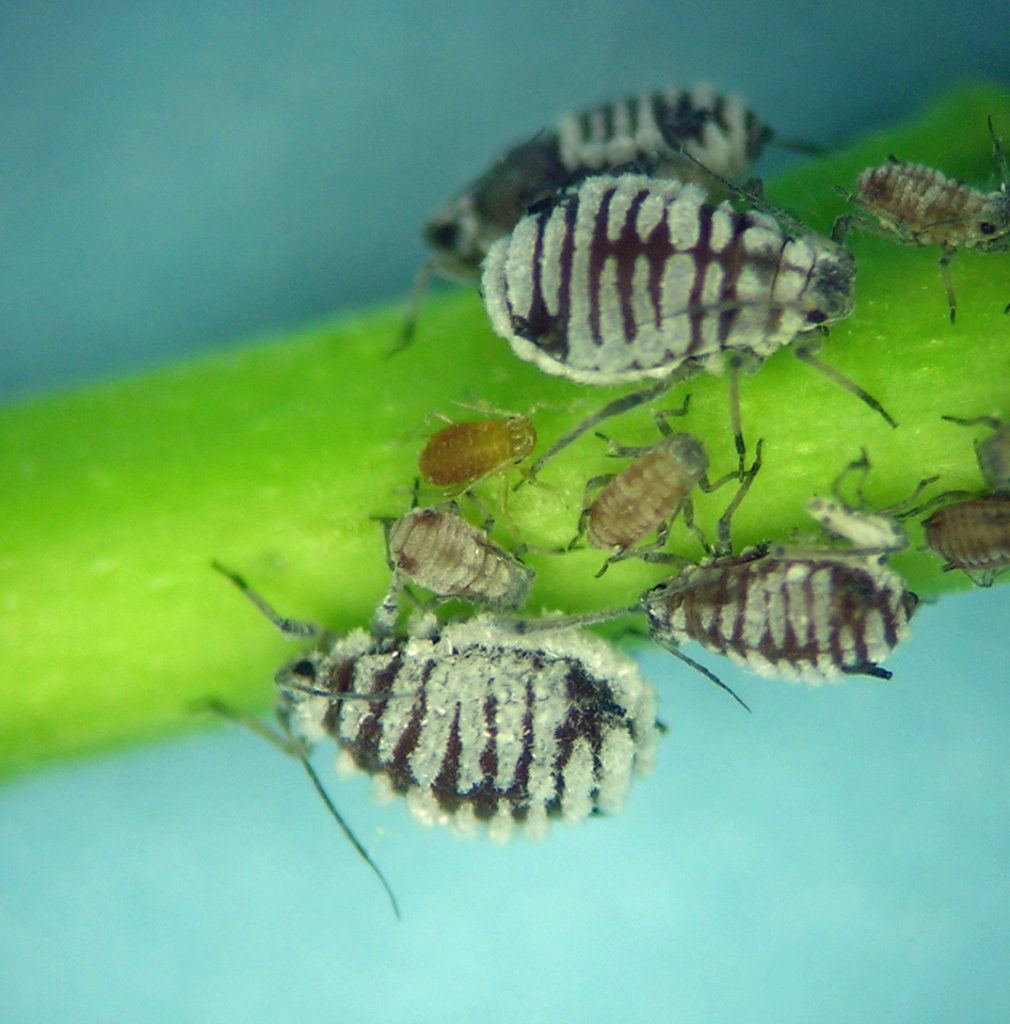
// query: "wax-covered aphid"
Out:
[472,722]
[919,205]
[629,278]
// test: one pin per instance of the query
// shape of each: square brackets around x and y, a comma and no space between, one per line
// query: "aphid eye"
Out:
[443,236]
[305,669]
[987,228]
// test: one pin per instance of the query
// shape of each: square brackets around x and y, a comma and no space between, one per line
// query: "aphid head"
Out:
[993,224]
[994,459]
[300,679]
[688,452]
[453,235]
[831,286]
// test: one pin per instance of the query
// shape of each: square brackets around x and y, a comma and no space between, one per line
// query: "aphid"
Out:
[807,614]
[488,726]
[973,534]
[437,549]
[463,454]
[646,496]
[802,615]
[646,132]
[629,278]
[919,205]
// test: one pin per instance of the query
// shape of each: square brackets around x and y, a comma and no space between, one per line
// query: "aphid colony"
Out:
[604,260]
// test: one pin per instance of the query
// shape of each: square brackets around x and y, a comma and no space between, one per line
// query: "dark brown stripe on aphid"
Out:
[519,793]
[629,243]
[445,786]
[599,250]
[398,768]
[702,254]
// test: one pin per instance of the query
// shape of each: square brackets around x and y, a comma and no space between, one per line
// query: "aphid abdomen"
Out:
[629,277]
[463,453]
[804,618]
[972,535]
[504,728]
[439,550]
[637,500]
[717,130]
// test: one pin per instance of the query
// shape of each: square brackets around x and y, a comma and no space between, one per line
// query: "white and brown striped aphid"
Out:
[649,131]
[646,132]
[972,532]
[809,615]
[629,278]
[919,205]
[437,549]
[473,722]
[645,497]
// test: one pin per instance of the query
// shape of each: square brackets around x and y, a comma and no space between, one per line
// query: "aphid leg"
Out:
[615,408]
[662,415]
[724,538]
[698,667]
[975,421]
[842,224]
[293,628]
[296,748]
[948,284]
[406,335]
[805,351]
[387,611]
[733,380]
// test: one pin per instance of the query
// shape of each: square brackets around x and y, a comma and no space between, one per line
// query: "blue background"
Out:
[179,177]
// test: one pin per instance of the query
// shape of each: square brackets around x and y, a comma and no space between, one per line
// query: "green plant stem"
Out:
[274,458]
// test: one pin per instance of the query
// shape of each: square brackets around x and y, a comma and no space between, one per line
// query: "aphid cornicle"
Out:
[472,722]
[629,278]
[973,534]
[462,454]
[919,205]
[437,549]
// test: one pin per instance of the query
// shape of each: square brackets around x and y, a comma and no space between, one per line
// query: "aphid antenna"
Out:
[986,421]
[615,408]
[405,337]
[293,747]
[753,198]
[707,673]
[295,629]
[805,351]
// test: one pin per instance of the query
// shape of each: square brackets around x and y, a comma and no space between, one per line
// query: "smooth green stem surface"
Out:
[274,459]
